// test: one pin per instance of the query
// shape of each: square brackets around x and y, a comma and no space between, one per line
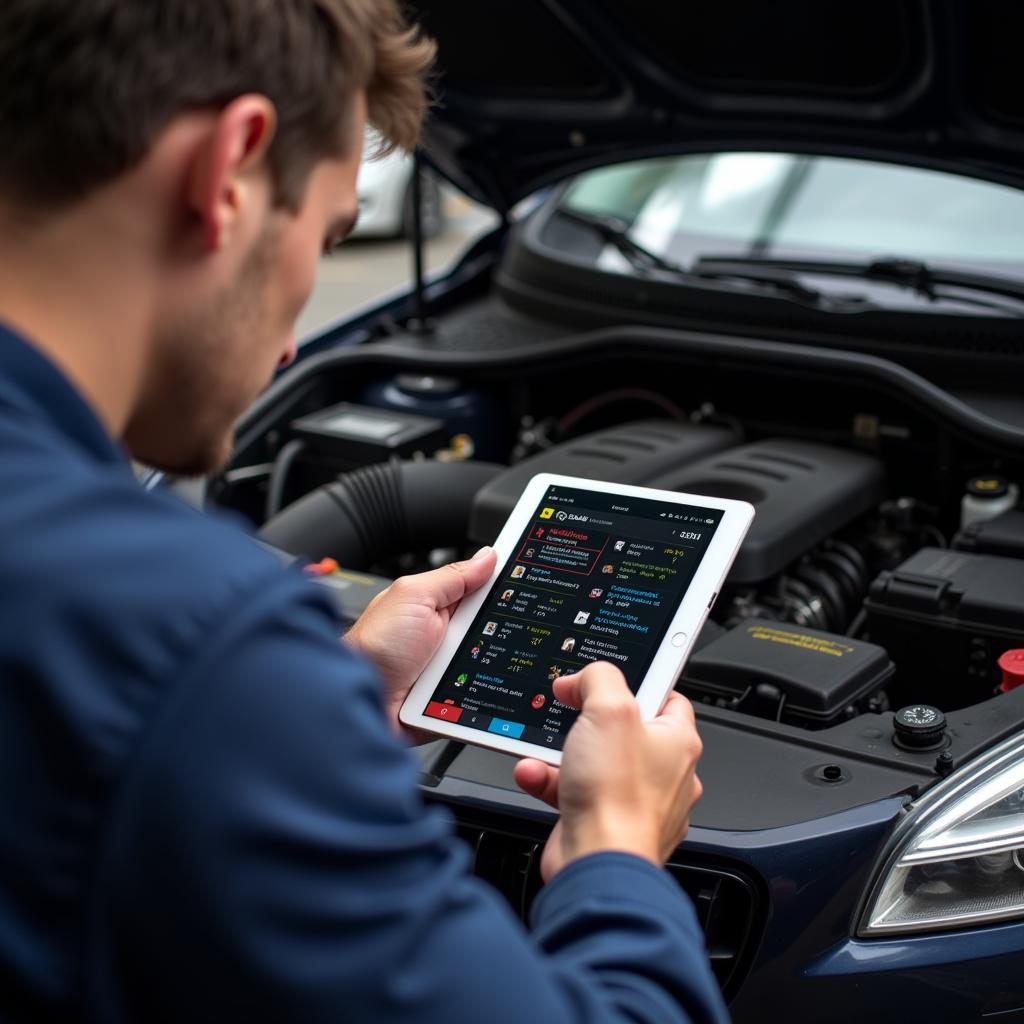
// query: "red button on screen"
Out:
[450,713]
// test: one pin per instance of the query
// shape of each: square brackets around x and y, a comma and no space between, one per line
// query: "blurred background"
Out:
[378,257]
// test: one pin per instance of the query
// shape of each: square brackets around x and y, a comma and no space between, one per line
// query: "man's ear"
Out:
[221,176]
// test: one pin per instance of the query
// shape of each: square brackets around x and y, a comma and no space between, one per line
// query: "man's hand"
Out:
[625,784]
[403,626]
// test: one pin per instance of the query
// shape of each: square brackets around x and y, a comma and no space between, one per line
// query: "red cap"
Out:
[327,566]
[1012,664]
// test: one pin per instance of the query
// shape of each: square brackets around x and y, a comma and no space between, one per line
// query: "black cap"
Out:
[990,486]
[919,727]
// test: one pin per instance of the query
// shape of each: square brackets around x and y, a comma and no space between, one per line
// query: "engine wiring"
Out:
[593,404]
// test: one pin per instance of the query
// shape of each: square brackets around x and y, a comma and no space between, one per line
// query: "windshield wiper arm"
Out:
[916,275]
[615,231]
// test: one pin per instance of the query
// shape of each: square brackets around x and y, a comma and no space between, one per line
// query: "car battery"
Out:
[946,617]
[788,673]
[352,436]
[1003,535]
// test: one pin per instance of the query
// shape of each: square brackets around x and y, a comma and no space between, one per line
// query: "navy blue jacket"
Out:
[203,813]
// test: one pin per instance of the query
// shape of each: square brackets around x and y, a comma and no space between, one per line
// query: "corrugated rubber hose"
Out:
[380,511]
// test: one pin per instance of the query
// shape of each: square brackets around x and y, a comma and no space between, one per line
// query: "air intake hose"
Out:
[380,511]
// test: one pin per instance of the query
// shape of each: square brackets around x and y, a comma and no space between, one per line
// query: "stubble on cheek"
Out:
[212,364]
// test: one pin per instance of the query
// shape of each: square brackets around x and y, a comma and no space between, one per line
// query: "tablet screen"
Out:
[594,577]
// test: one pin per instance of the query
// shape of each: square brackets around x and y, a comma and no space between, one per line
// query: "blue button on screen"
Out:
[511,729]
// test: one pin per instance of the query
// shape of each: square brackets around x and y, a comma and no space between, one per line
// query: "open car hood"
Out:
[531,91]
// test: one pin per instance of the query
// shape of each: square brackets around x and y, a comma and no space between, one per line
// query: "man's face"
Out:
[216,355]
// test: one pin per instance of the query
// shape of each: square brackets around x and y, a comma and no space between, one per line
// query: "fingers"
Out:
[678,707]
[538,779]
[677,715]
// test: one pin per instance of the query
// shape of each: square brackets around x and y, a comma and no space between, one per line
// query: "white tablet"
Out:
[587,571]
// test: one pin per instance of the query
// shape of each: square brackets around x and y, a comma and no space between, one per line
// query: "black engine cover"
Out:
[630,454]
[803,493]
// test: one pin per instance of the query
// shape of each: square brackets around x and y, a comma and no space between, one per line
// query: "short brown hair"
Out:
[86,86]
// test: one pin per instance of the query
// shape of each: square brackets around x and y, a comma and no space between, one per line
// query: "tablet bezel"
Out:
[669,658]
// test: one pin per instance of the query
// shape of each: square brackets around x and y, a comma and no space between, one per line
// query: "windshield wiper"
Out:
[929,282]
[616,232]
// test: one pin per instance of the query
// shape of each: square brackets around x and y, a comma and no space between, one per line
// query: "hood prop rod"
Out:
[420,323]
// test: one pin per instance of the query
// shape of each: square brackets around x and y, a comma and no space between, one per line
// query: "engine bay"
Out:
[883,571]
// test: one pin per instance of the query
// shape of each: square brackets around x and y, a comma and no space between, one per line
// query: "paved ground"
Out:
[365,269]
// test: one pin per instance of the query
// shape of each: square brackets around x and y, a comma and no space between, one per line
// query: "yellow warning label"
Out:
[806,642]
[354,577]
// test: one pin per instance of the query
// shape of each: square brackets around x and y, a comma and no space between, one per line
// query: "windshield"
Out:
[785,205]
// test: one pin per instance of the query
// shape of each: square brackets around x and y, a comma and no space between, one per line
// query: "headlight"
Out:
[958,858]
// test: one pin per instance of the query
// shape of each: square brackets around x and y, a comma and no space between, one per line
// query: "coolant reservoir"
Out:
[986,498]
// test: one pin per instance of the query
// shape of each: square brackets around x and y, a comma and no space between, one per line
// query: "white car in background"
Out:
[385,196]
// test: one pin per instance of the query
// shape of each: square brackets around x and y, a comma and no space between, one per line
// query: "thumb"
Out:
[477,570]
[597,678]
[452,582]
[567,690]
[602,679]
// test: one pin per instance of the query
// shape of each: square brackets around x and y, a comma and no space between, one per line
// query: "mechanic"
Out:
[206,811]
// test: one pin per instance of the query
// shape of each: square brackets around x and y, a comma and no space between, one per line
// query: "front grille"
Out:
[728,904]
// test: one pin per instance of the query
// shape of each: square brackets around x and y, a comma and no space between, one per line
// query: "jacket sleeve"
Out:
[269,858]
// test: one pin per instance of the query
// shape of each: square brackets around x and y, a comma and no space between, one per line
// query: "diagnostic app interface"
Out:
[594,577]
